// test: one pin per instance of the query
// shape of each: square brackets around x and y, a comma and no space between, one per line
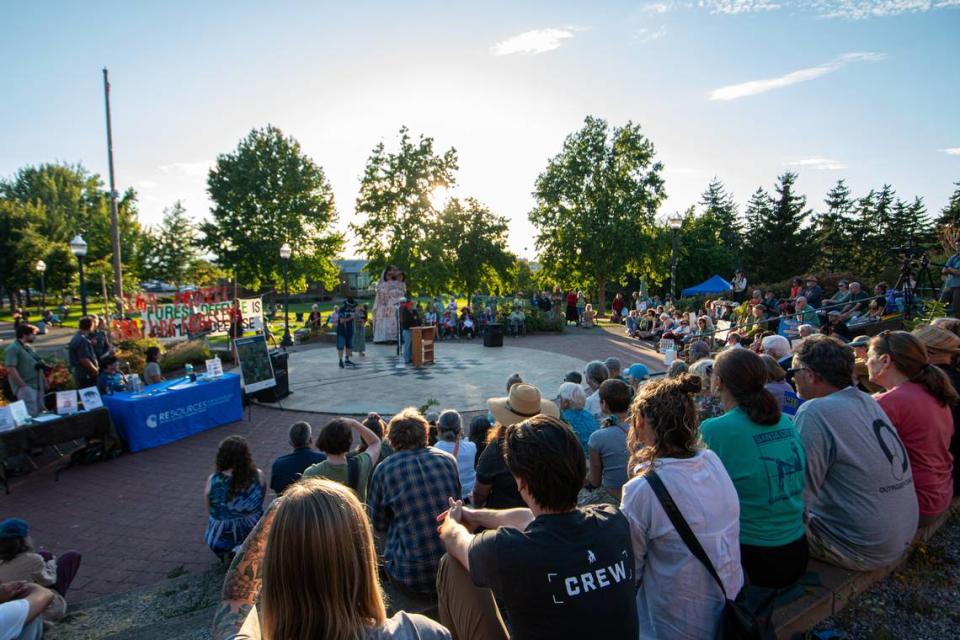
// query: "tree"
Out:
[702,250]
[832,230]
[172,247]
[780,241]
[950,214]
[755,252]
[397,214]
[265,193]
[595,206]
[720,205]
[474,244]
[204,273]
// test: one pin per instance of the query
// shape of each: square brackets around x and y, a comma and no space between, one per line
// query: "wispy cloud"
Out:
[533,42]
[189,169]
[736,7]
[658,7]
[147,184]
[649,35]
[860,9]
[951,151]
[756,87]
[821,164]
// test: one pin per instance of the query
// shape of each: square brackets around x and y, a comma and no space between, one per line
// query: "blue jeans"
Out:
[407,346]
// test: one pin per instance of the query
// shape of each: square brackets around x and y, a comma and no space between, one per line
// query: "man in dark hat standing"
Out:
[345,330]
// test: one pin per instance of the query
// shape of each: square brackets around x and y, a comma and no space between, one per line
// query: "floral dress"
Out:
[231,518]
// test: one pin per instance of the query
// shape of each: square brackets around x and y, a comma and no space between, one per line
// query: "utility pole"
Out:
[114,216]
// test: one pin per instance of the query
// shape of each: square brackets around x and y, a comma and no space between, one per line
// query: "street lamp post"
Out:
[79,248]
[675,223]
[41,268]
[285,253]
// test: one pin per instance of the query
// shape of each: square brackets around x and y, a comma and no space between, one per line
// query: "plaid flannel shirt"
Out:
[406,494]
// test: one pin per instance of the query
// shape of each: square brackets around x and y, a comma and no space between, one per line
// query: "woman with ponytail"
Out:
[943,350]
[677,597]
[917,400]
[762,451]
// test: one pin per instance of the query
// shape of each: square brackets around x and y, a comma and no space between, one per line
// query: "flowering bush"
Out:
[59,377]
[134,352]
[195,352]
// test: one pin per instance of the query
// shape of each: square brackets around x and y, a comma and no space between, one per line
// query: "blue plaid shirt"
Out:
[406,494]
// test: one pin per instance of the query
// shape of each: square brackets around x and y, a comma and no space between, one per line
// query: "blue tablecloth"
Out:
[160,415]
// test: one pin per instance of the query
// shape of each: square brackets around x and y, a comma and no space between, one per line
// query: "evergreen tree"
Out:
[754,253]
[720,205]
[780,246]
[832,230]
[171,248]
[950,214]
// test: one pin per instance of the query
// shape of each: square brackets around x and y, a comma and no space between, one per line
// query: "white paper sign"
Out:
[91,398]
[214,368]
[6,419]
[669,356]
[67,402]
[19,411]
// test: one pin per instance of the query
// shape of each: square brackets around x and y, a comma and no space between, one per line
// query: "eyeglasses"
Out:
[793,370]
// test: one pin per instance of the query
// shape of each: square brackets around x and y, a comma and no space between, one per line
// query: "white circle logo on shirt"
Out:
[152,421]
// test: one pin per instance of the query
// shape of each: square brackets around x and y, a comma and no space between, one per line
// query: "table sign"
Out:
[214,368]
[91,398]
[6,419]
[67,402]
[20,414]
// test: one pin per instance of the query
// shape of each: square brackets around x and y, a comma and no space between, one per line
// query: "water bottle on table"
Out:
[190,373]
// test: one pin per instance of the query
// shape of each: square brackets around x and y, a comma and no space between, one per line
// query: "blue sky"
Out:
[867,90]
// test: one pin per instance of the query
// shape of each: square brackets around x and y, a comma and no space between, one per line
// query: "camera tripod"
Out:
[913,279]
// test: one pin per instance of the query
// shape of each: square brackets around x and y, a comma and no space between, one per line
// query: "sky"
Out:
[865,90]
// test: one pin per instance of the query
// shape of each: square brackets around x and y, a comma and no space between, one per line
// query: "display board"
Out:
[256,370]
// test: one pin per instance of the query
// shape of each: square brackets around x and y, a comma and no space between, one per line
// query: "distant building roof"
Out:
[351,266]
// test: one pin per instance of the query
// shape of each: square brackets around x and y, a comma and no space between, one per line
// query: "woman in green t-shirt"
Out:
[335,440]
[763,454]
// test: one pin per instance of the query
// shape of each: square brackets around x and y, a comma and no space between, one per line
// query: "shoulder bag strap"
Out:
[680,524]
[353,473]
[456,449]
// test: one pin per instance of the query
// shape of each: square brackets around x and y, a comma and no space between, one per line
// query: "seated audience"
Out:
[573,376]
[918,399]
[836,326]
[633,323]
[21,606]
[151,372]
[756,443]
[733,341]
[406,493]
[699,350]
[315,552]
[777,383]
[840,297]
[608,444]
[235,494]
[806,330]
[583,423]
[676,596]
[859,495]
[518,320]
[771,303]
[856,303]
[589,319]
[315,319]
[943,349]
[288,468]
[614,368]
[778,348]
[530,559]
[20,563]
[861,376]
[479,430]
[335,439]
[806,314]
[812,292]
[676,368]
[708,403]
[451,439]
[496,487]
[110,380]
[594,374]
[468,326]
[637,374]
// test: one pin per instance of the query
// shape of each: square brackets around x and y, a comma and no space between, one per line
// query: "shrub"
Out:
[133,352]
[195,352]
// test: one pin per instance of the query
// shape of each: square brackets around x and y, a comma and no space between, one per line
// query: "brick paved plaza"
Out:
[141,518]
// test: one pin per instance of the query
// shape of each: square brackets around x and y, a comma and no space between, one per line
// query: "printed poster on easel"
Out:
[256,370]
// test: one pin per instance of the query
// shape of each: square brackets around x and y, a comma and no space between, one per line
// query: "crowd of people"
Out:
[544,518]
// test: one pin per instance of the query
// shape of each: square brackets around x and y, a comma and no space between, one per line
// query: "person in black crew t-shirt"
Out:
[559,571]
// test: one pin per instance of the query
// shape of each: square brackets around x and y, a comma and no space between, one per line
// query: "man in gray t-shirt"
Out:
[860,500]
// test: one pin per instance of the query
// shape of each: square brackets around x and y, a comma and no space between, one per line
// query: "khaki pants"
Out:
[468,611]
[31,398]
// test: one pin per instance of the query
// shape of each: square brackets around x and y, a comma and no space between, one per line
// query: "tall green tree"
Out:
[783,243]
[474,243]
[832,230]
[759,208]
[265,193]
[595,206]
[397,212]
[950,214]
[702,249]
[172,247]
[720,205]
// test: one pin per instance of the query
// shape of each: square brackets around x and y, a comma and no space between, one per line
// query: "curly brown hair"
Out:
[668,408]
[234,456]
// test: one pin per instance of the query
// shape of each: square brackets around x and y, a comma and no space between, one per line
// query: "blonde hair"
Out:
[320,566]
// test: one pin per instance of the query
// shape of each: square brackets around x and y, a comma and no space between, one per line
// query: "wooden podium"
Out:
[422,340]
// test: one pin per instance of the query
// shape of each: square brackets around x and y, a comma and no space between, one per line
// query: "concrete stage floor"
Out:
[464,376]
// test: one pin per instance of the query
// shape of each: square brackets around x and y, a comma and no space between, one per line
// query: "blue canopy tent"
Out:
[716,284]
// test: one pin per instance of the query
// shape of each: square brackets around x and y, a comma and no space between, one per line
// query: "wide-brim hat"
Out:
[524,401]
[810,279]
[860,341]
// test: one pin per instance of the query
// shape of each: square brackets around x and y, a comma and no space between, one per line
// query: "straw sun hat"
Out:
[523,402]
